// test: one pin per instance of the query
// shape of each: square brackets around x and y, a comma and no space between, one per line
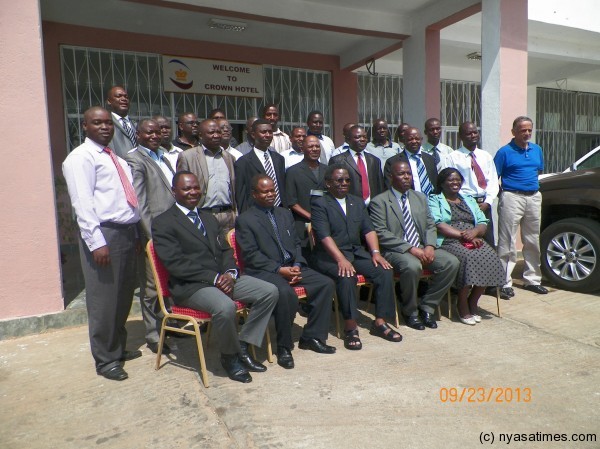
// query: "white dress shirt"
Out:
[281,141]
[342,203]
[96,192]
[364,159]
[414,169]
[172,155]
[341,149]
[461,160]
[444,152]
[292,157]
[235,153]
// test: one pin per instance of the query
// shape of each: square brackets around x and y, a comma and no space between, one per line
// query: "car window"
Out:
[591,162]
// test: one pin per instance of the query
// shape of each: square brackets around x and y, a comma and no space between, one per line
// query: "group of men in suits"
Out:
[187,199]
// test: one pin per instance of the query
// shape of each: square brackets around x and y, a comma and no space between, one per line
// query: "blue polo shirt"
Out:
[518,167]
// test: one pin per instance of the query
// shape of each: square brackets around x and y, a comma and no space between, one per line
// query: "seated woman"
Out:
[461,226]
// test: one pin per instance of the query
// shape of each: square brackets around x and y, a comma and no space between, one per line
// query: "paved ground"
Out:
[387,395]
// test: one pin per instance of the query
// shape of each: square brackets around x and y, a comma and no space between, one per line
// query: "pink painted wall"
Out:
[29,256]
[513,64]
[345,102]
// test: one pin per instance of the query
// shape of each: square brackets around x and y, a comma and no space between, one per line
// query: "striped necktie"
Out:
[197,222]
[410,232]
[127,186]
[426,187]
[286,256]
[130,132]
[271,174]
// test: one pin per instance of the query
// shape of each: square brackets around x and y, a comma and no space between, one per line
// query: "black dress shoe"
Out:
[115,373]
[154,348]
[248,361]
[314,344]
[284,357]
[130,355]
[428,320]
[235,370]
[414,322]
[536,289]
[505,293]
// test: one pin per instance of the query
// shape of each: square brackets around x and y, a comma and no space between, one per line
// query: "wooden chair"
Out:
[300,291]
[450,305]
[188,316]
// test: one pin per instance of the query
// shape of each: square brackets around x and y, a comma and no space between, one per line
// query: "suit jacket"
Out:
[328,220]
[376,184]
[152,187]
[246,167]
[427,159]
[388,221]
[299,181]
[256,237]
[120,142]
[192,260]
[194,160]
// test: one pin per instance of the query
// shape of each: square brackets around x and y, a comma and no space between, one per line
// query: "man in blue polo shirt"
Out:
[518,165]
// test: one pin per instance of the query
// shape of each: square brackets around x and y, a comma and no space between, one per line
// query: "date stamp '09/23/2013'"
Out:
[478,395]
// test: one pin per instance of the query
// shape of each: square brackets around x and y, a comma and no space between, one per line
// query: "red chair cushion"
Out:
[199,314]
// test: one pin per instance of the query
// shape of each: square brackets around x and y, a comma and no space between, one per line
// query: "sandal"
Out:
[385,332]
[351,340]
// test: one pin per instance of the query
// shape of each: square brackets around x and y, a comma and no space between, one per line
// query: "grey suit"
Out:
[388,221]
[120,143]
[154,194]
[263,258]
[194,160]
[194,262]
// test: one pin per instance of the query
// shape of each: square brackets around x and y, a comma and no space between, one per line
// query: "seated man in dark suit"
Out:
[422,165]
[340,221]
[203,276]
[407,235]
[364,168]
[271,252]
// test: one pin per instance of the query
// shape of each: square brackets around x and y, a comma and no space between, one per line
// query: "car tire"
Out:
[570,254]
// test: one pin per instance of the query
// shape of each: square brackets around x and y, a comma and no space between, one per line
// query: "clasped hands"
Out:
[292,274]
[470,235]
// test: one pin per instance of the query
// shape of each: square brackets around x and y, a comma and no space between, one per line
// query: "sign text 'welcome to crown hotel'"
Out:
[203,76]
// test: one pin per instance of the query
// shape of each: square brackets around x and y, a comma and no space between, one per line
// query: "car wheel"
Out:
[570,252]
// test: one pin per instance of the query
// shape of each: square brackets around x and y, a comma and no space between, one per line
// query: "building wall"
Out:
[29,256]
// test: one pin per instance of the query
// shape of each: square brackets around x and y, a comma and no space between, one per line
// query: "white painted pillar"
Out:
[503,69]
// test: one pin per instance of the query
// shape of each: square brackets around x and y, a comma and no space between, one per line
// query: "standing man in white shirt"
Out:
[281,141]
[382,146]
[433,146]
[124,138]
[106,206]
[171,152]
[479,171]
[295,154]
[315,123]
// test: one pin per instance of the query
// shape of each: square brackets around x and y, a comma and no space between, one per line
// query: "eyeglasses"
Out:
[192,122]
[342,180]
[226,128]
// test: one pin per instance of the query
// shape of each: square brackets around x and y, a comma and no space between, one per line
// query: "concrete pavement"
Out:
[386,395]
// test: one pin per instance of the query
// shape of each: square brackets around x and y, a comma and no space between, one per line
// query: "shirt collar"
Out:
[156,156]
[99,148]
[409,154]
[185,210]
[211,152]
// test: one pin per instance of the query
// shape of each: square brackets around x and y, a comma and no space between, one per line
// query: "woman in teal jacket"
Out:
[461,226]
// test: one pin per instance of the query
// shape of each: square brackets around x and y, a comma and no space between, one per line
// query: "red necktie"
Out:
[364,180]
[478,172]
[127,187]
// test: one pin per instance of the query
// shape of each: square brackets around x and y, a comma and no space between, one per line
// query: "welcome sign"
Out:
[204,76]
